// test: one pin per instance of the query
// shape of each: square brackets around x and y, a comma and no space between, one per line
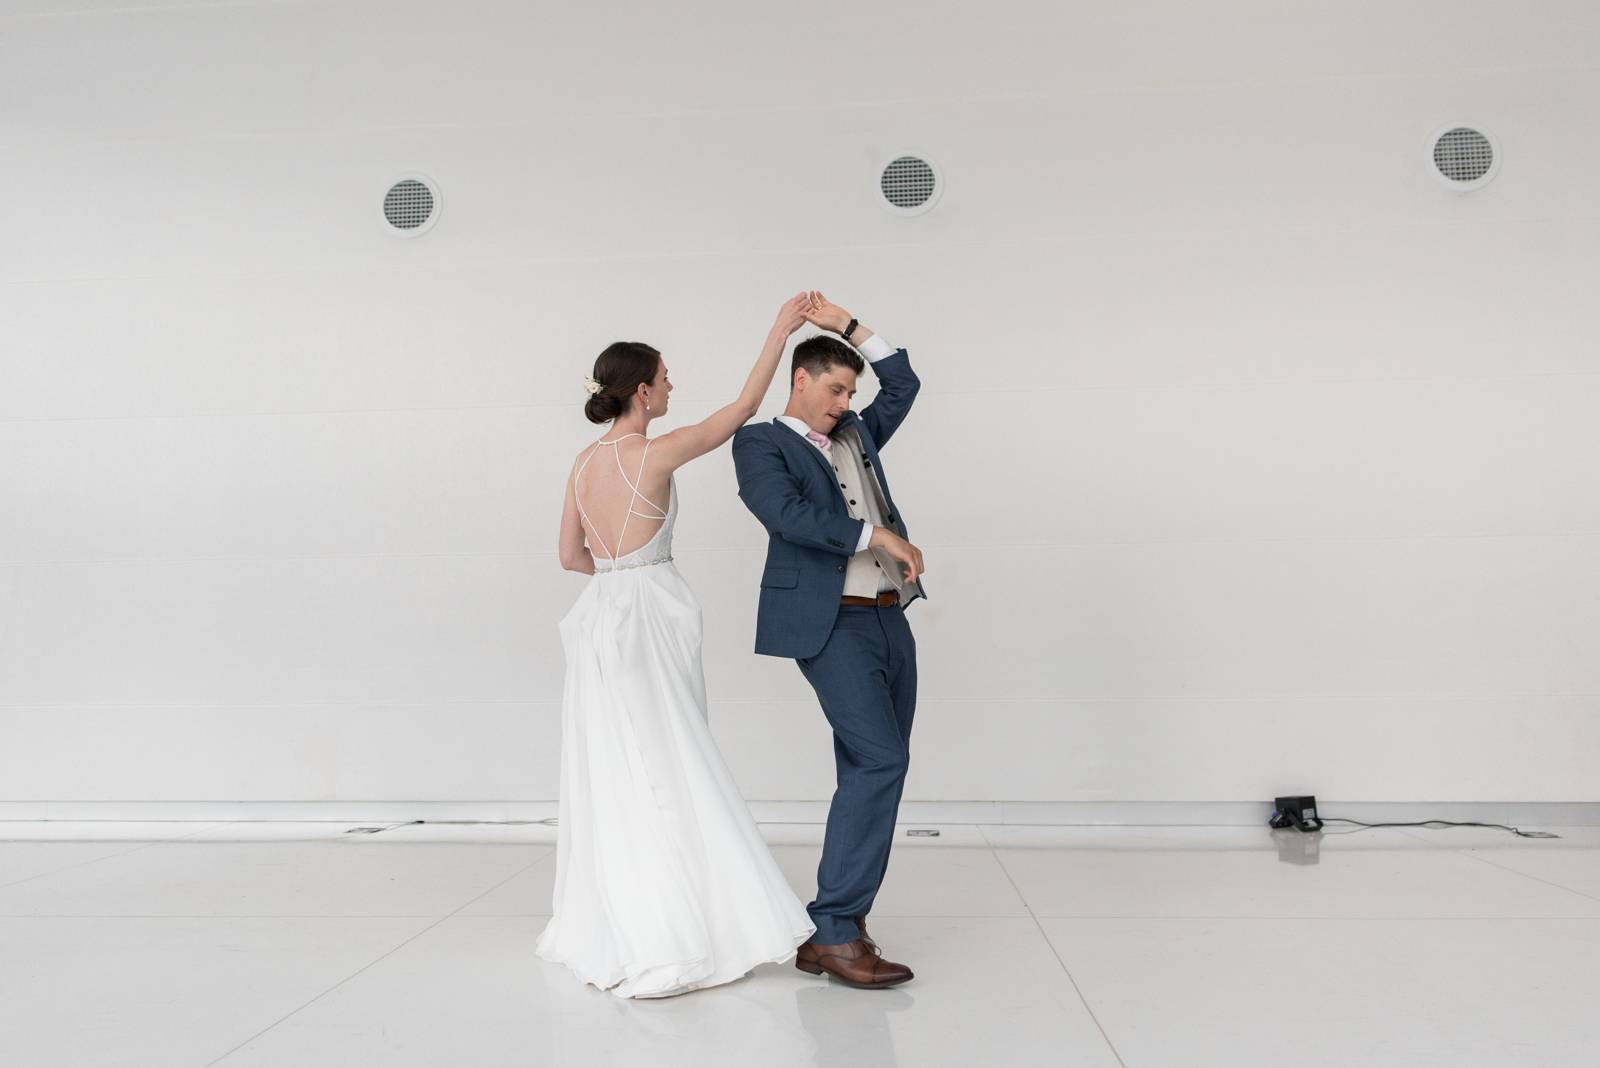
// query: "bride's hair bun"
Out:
[620,369]
[602,408]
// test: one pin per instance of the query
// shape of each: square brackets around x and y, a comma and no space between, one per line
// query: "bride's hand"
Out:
[792,315]
[821,312]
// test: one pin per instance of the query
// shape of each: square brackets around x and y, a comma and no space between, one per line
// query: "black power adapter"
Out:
[1297,812]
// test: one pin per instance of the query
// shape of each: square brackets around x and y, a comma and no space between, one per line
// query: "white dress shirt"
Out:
[874,349]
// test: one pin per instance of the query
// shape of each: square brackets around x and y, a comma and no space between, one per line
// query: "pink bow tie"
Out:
[821,441]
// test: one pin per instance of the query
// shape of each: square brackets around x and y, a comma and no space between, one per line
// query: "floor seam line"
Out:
[1112,1046]
[370,964]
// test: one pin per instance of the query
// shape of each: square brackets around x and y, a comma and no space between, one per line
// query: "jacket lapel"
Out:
[794,441]
[869,449]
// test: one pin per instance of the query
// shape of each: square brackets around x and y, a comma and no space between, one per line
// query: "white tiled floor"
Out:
[305,945]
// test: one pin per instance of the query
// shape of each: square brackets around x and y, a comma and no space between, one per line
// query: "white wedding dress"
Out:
[663,881]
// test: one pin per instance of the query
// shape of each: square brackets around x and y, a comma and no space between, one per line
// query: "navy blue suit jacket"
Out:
[791,487]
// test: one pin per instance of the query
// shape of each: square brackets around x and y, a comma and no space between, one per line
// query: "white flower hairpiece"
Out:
[591,385]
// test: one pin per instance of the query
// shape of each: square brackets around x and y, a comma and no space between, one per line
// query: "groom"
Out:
[838,576]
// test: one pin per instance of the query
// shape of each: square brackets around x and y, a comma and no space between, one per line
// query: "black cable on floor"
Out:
[1447,823]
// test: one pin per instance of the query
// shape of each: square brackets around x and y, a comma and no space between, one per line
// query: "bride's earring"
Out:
[647,404]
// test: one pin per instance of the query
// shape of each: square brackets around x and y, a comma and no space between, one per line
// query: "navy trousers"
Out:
[866,679]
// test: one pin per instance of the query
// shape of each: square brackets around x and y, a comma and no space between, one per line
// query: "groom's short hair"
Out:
[818,354]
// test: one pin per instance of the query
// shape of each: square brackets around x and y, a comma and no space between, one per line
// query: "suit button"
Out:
[852,501]
[867,462]
[841,485]
[839,568]
[891,517]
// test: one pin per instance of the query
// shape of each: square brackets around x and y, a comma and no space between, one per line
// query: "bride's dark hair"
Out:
[619,370]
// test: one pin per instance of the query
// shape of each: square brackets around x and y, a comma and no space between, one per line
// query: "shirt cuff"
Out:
[866,536]
[875,348]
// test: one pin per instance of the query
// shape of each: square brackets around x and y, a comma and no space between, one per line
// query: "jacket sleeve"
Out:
[773,495]
[897,388]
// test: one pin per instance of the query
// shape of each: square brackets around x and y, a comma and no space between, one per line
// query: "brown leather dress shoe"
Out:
[861,925]
[852,963]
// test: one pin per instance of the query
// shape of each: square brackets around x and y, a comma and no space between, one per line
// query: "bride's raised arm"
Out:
[678,447]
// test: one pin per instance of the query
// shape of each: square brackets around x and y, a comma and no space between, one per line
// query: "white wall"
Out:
[1249,457]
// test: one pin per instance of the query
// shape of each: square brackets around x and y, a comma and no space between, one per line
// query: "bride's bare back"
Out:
[627,479]
[616,519]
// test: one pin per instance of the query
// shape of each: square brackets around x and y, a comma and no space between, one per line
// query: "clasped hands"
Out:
[810,306]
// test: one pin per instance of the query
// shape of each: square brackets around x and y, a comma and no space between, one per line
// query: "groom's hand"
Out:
[826,314]
[899,549]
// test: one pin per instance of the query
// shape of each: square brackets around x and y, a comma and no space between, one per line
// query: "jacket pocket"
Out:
[780,577]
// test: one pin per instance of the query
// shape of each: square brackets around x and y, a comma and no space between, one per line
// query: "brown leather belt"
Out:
[883,600]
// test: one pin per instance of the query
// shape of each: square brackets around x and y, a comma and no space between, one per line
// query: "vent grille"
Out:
[408,205]
[909,182]
[1463,155]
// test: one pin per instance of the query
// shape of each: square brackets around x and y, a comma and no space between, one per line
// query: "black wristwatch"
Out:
[850,329]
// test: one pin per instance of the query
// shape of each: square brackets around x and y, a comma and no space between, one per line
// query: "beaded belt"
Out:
[624,567]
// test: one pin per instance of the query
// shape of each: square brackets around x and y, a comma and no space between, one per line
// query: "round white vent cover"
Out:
[411,205]
[1463,157]
[909,184]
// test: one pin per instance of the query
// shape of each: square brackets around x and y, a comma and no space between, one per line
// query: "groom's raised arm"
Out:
[772,493]
[897,388]
[897,382]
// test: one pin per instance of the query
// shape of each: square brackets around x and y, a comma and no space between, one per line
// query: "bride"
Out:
[663,882]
